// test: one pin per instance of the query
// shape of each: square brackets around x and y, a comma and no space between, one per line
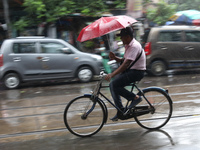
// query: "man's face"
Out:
[125,39]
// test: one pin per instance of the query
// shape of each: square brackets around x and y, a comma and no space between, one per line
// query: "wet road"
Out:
[32,118]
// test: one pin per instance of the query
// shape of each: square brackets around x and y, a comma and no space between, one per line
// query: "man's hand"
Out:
[112,56]
[108,77]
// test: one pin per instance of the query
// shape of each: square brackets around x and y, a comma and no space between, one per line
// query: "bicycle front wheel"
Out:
[162,111]
[84,117]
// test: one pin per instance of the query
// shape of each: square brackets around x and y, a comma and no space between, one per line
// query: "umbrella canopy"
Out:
[192,14]
[185,17]
[196,22]
[182,19]
[105,25]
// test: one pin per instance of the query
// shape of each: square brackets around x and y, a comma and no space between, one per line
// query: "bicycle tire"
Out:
[77,124]
[162,103]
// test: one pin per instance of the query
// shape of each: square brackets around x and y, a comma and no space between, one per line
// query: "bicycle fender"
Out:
[164,91]
[88,95]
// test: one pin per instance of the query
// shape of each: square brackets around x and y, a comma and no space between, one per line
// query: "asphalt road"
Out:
[32,118]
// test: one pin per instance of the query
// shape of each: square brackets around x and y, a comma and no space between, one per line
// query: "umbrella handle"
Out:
[108,40]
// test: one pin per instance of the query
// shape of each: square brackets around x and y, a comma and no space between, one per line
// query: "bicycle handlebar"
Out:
[102,74]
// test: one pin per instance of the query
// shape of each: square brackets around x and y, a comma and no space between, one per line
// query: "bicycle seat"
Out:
[133,83]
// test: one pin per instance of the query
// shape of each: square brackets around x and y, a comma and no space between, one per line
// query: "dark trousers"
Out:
[117,86]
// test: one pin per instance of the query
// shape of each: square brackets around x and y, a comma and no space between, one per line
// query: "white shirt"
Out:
[132,51]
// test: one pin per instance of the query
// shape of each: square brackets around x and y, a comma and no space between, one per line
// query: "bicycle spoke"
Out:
[160,103]
[87,106]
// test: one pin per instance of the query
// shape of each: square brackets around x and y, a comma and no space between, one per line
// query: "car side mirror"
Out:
[66,50]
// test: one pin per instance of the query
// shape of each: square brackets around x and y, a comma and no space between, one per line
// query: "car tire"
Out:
[11,81]
[158,68]
[85,74]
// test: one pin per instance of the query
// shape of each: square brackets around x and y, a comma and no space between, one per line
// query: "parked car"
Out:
[171,47]
[25,59]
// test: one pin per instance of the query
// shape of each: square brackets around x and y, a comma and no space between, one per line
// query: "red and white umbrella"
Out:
[105,25]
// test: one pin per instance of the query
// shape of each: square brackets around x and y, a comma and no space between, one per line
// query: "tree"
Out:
[120,4]
[161,13]
[90,7]
[6,12]
[49,11]
[146,2]
[186,4]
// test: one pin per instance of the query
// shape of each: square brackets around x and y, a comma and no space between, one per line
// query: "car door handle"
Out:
[163,48]
[45,59]
[39,58]
[17,59]
[189,48]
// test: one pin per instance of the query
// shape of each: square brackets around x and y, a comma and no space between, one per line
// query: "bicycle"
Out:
[85,115]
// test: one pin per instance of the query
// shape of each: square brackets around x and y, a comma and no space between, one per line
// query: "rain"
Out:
[32,112]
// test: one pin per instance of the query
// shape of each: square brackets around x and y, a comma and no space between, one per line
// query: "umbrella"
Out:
[105,25]
[196,22]
[192,14]
[180,19]
[185,17]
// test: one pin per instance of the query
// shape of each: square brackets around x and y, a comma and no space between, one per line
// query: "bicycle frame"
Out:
[97,92]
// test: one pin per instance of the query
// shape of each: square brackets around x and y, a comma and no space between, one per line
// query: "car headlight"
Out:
[96,57]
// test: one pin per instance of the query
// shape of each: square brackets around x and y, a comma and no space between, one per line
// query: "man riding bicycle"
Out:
[135,56]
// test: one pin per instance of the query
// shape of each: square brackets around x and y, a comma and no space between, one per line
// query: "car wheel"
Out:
[158,68]
[11,81]
[85,74]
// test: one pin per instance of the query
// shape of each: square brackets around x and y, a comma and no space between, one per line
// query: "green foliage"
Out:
[22,23]
[48,10]
[89,44]
[51,10]
[145,2]
[120,4]
[186,4]
[90,7]
[161,13]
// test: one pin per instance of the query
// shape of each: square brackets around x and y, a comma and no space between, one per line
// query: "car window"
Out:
[51,47]
[172,36]
[24,48]
[145,37]
[192,36]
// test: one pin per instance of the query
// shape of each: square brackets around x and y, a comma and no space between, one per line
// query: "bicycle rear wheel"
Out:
[162,112]
[84,117]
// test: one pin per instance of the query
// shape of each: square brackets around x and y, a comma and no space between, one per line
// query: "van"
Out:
[172,47]
[26,59]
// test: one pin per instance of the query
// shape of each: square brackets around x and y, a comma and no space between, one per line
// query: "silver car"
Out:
[37,58]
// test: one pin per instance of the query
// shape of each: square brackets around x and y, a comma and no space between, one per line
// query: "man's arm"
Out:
[121,69]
